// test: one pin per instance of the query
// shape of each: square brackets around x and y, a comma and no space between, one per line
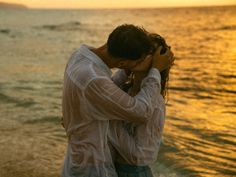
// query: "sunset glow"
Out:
[118,4]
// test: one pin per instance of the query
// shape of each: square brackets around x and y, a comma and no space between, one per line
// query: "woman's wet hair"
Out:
[158,41]
[129,42]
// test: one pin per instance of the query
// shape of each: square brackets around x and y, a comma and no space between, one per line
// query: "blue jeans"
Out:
[125,170]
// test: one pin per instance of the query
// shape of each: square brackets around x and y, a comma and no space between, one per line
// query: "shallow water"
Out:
[200,133]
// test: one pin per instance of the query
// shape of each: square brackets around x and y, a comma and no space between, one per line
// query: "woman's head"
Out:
[133,85]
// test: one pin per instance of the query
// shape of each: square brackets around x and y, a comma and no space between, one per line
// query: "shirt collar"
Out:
[85,51]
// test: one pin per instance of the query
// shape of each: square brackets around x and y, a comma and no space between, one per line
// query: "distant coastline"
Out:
[4,5]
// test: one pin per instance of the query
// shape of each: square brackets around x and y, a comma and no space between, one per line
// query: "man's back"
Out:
[88,153]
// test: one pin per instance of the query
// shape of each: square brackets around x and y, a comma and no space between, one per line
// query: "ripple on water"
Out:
[45,119]
[7,99]
[195,142]
[227,76]
[18,102]
[23,88]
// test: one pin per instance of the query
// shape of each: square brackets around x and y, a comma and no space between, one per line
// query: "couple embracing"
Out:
[114,122]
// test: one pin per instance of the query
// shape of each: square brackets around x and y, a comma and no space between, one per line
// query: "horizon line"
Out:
[117,8]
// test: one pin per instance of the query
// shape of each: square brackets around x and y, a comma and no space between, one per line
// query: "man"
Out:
[91,97]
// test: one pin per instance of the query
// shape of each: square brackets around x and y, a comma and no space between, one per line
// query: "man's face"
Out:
[133,63]
[142,64]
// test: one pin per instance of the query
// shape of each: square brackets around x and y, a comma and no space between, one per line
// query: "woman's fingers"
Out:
[162,61]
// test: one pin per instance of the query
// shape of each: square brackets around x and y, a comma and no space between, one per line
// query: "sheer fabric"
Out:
[90,100]
[137,144]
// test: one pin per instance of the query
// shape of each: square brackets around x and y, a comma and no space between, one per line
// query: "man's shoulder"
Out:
[82,71]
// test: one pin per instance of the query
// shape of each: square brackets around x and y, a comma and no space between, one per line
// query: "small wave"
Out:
[26,103]
[70,26]
[224,139]
[53,82]
[180,88]
[193,89]
[179,101]
[227,76]
[198,89]
[199,96]
[169,165]
[23,88]
[46,119]
[221,28]
[7,99]
[178,119]
[20,103]
[5,31]
[192,79]
[229,112]
[227,27]
[191,69]
[227,91]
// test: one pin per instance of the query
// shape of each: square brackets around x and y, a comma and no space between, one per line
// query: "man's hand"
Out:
[162,62]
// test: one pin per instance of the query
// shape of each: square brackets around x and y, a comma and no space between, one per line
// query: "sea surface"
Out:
[200,130]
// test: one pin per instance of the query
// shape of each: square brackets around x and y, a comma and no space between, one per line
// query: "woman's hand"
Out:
[137,80]
[164,61]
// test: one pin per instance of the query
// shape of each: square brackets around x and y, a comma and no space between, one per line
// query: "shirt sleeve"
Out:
[108,102]
[140,147]
[119,77]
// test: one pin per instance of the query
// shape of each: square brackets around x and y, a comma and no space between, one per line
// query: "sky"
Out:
[117,3]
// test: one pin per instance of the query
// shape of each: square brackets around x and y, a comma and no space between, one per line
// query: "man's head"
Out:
[129,42]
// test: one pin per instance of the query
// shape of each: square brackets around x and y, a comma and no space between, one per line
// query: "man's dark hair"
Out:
[129,41]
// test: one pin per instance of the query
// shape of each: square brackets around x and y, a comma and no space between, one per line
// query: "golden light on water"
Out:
[199,135]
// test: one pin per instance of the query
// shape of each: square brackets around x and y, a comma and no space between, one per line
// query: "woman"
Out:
[136,146]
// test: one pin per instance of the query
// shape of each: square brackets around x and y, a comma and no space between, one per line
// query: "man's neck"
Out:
[102,53]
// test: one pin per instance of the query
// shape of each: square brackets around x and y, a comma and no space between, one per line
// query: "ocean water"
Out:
[200,130]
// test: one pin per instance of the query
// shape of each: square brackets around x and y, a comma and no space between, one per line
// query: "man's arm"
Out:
[108,102]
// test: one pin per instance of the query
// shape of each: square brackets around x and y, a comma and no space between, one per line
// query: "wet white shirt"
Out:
[137,144]
[90,100]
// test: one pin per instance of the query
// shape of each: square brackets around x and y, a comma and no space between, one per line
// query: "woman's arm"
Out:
[137,80]
[141,146]
[138,144]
